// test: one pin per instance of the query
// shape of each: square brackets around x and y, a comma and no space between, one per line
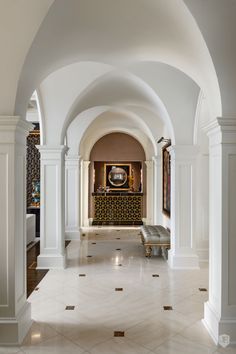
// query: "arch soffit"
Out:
[99,93]
[107,119]
[185,13]
[88,144]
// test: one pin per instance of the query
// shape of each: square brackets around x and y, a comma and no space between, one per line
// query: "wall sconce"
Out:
[163,140]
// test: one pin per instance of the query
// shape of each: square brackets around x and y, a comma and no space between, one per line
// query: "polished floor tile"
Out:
[228,350]
[118,346]
[89,284]
[56,345]
[6,350]
[180,345]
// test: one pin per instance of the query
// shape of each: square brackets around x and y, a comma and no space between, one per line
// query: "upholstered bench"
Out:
[155,236]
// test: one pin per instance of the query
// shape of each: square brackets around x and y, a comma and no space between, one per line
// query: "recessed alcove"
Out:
[121,151]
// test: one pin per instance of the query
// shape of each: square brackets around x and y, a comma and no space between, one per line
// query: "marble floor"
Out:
[109,286]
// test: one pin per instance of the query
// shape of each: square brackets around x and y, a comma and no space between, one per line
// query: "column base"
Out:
[203,254]
[51,262]
[72,234]
[14,330]
[183,261]
[217,327]
[86,223]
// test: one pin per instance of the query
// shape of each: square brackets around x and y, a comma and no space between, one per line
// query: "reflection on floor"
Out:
[78,310]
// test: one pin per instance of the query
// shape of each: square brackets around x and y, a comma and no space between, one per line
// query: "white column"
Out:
[72,186]
[149,192]
[183,253]
[84,192]
[52,205]
[157,190]
[220,310]
[15,312]
[202,207]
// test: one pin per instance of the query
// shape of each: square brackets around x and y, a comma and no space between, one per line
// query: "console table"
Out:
[117,208]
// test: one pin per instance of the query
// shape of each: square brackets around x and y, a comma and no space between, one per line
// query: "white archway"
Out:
[41,51]
[120,121]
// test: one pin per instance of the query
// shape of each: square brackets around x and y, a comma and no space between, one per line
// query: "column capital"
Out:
[221,131]
[183,152]
[73,158]
[86,163]
[220,122]
[50,152]
[149,163]
[13,129]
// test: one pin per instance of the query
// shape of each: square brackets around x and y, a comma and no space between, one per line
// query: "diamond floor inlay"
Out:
[70,308]
[136,314]
[119,334]
[167,308]
[118,289]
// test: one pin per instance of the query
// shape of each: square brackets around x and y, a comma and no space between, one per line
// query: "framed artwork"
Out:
[116,176]
[166,182]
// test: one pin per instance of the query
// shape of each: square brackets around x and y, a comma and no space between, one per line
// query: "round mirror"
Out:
[117,176]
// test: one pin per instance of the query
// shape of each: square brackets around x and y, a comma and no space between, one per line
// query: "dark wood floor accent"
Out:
[67,243]
[34,276]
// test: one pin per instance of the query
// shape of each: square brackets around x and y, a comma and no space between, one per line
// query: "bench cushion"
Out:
[157,239]
[155,234]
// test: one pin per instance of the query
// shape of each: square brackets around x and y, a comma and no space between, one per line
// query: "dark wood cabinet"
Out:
[36,211]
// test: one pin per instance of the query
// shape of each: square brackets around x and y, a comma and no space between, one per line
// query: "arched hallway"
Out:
[89,284]
[169,72]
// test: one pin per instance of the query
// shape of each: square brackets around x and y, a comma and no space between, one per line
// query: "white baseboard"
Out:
[56,261]
[182,261]
[14,330]
[216,326]
[203,254]
[72,234]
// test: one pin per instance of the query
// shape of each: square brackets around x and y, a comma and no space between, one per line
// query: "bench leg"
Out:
[164,252]
[142,239]
[148,250]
